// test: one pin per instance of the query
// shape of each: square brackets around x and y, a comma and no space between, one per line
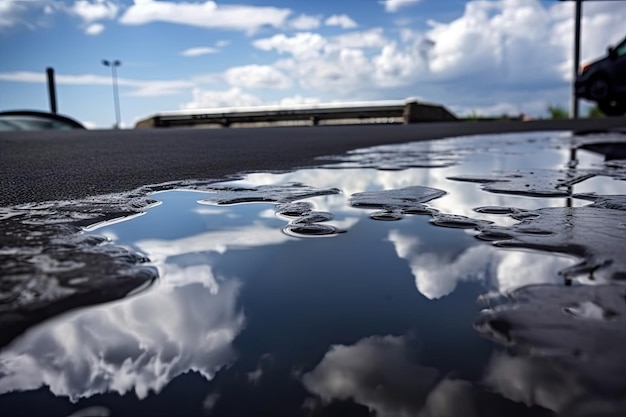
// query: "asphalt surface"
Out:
[55,165]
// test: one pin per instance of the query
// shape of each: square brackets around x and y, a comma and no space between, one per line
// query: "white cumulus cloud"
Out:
[32,14]
[94,29]
[341,20]
[371,38]
[138,88]
[392,6]
[305,22]
[339,65]
[233,97]
[498,56]
[257,76]
[298,99]
[9,12]
[300,45]
[207,14]
[155,88]
[91,11]
[198,51]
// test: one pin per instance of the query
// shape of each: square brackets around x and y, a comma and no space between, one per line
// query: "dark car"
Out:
[604,81]
[36,120]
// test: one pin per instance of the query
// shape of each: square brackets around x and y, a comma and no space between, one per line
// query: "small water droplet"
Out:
[459,222]
[309,230]
[496,210]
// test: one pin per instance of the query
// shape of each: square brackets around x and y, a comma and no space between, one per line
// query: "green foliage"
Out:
[557,112]
[594,112]
[473,116]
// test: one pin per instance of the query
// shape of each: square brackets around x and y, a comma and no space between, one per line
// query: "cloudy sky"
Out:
[487,57]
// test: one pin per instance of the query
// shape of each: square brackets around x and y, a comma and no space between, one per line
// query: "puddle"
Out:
[421,279]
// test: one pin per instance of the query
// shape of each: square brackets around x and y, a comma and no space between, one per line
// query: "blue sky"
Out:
[485,57]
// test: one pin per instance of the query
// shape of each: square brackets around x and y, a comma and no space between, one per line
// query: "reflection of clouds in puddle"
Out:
[380,373]
[175,276]
[95,411]
[208,211]
[461,198]
[554,322]
[532,381]
[459,150]
[138,345]
[215,241]
[517,269]
[186,323]
[507,270]
[541,381]
[209,402]
[254,234]
[601,186]
[587,159]
[593,233]
[267,214]
[437,273]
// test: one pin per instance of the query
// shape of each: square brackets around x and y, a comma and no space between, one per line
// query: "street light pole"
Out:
[577,16]
[116,99]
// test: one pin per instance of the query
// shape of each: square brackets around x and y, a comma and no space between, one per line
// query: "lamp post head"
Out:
[108,63]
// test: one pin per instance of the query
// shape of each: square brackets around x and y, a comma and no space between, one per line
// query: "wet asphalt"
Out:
[58,165]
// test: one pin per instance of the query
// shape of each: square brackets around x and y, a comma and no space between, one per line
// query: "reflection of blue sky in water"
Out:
[234,287]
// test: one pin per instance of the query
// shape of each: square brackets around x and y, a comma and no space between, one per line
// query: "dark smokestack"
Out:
[52,90]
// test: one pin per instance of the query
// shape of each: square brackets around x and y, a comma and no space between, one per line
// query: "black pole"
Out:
[579,5]
[52,95]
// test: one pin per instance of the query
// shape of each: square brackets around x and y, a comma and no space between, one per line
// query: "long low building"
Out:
[397,111]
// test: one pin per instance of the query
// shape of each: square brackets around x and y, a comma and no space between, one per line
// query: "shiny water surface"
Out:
[475,276]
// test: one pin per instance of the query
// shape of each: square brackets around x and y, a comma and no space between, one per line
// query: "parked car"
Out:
[604,81]
[35,120]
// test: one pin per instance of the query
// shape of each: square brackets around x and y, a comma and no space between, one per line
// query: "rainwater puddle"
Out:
[423,279]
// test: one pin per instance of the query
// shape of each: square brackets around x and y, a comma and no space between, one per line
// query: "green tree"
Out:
[594,112]
[473,116]
[557,112]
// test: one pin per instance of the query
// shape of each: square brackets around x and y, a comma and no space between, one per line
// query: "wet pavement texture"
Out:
[473,276]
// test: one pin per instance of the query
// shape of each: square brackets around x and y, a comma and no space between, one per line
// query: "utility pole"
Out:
[577,17]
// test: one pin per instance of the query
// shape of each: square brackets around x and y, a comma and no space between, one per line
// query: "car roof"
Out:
[36,120]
